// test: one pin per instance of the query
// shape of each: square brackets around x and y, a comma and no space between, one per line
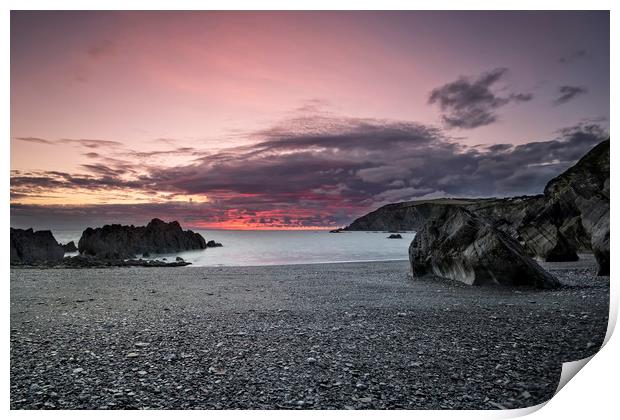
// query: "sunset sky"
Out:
[293,119]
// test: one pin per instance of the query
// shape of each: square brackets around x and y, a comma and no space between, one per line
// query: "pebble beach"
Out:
[316,336]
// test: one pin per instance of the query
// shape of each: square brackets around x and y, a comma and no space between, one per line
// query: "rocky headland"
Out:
[572,215]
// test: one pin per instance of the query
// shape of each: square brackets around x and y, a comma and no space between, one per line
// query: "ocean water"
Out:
[246,248]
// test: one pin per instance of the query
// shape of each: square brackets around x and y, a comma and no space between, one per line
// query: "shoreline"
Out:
[584,258]
[192,265]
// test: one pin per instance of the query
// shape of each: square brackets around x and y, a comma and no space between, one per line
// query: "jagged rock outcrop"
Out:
[85,261]
[213,244]
[457,244]
[395,236]
[30,247]
[158,237]
[69,247]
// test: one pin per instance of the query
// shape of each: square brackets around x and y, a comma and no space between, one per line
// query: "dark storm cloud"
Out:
[575,55]
[88,143]
[469,103]
[567,93]
[35,183]
[105,170]
[177,151]
[320,171]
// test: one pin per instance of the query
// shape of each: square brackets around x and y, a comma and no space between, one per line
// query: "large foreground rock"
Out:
[30,247]
[458,245]
[158,237]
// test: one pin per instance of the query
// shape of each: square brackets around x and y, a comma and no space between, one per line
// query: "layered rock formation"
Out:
[583,191]
[30,247]
[575,213]
[571,216]
[459,245]
[116,241]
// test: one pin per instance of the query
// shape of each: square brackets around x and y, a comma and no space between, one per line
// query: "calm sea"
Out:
[244,247]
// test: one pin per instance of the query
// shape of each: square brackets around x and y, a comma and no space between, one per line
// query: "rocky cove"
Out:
[497,305]
[461,236]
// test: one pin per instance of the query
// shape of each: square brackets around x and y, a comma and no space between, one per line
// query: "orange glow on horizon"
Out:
[239,225]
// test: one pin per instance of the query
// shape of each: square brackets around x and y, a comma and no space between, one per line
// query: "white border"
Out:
[592,394]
